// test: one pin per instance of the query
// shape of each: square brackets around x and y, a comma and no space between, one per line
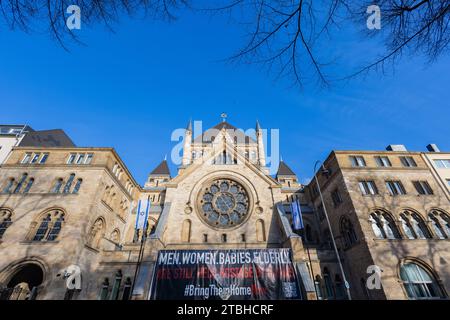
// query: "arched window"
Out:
[49,226]
[419,282]
[328,284]
[56,227]
[104,290]
[43,228]
[57,186]
[96,233]
[383,225]
[127,289]
[318,285]
[116,286]
[441,224]
[348,232]
[77,186]
[29,185]
[186,231]
[21,182]
[414,226]
[260,231]
[340,291]
[5,221]
[9,186]
[69,183]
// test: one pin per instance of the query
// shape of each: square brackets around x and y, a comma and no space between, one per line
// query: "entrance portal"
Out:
[24,283]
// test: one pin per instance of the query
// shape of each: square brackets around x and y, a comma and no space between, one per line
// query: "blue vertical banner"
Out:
[297,218]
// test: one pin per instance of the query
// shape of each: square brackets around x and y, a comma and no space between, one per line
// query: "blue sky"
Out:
[130,89]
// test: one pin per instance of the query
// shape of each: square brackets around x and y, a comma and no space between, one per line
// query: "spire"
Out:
[258,127]
[161,170]
[189,126]
[284,170]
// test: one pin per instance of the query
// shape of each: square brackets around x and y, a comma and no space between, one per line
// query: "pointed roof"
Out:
[208,135]
[189,126]
[258,127]
[284,170]
[161,170]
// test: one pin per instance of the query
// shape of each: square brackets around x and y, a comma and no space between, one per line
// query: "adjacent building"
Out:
[67,210]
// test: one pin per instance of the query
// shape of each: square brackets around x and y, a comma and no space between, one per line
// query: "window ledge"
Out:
[29,242]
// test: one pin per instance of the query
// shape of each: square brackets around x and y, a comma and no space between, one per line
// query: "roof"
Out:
[162,169]
[47,138]
[210,134]
[284,170]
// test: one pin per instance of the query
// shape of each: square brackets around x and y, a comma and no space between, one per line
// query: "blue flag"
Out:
[297,218]
[142,214]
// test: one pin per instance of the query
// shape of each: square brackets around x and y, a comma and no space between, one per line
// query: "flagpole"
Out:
[347,285]
[141,248]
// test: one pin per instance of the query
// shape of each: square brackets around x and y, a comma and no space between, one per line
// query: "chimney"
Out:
[396,147]
[433,148]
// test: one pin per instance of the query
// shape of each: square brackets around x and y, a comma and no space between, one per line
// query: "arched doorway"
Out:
[24,283]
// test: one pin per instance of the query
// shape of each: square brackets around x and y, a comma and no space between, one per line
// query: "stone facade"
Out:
[77,207]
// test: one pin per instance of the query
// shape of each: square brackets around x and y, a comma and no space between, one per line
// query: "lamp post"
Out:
[347,285]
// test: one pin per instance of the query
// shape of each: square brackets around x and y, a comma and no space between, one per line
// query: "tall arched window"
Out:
[21,182]
[414,226]
[383,225]
[58,185]
[348,232]
[419,282]
[56,227]
[69,183]
[48,227]
[116,285]
[260,231]
[340,290]
[29,185]
[186,231]
[318,285]
[77,186]
[328,284]
[441,224]
[104,291]
[5,221]
[9,186]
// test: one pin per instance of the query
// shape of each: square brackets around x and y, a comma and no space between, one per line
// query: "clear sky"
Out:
[130,89]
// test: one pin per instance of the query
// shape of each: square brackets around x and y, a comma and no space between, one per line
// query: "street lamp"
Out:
[325,171]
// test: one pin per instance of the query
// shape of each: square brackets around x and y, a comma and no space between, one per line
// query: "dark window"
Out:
[43,227]
[69,183]
[336,197]
[29,185]
[423,187]
[395,188]
[357,161]
[368,188]
[77,186]
[383,161]
[408,162]
[21,182]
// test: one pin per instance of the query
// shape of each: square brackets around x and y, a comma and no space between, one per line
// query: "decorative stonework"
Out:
[224,204]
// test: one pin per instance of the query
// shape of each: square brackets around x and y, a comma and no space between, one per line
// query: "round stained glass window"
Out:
[224,204]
